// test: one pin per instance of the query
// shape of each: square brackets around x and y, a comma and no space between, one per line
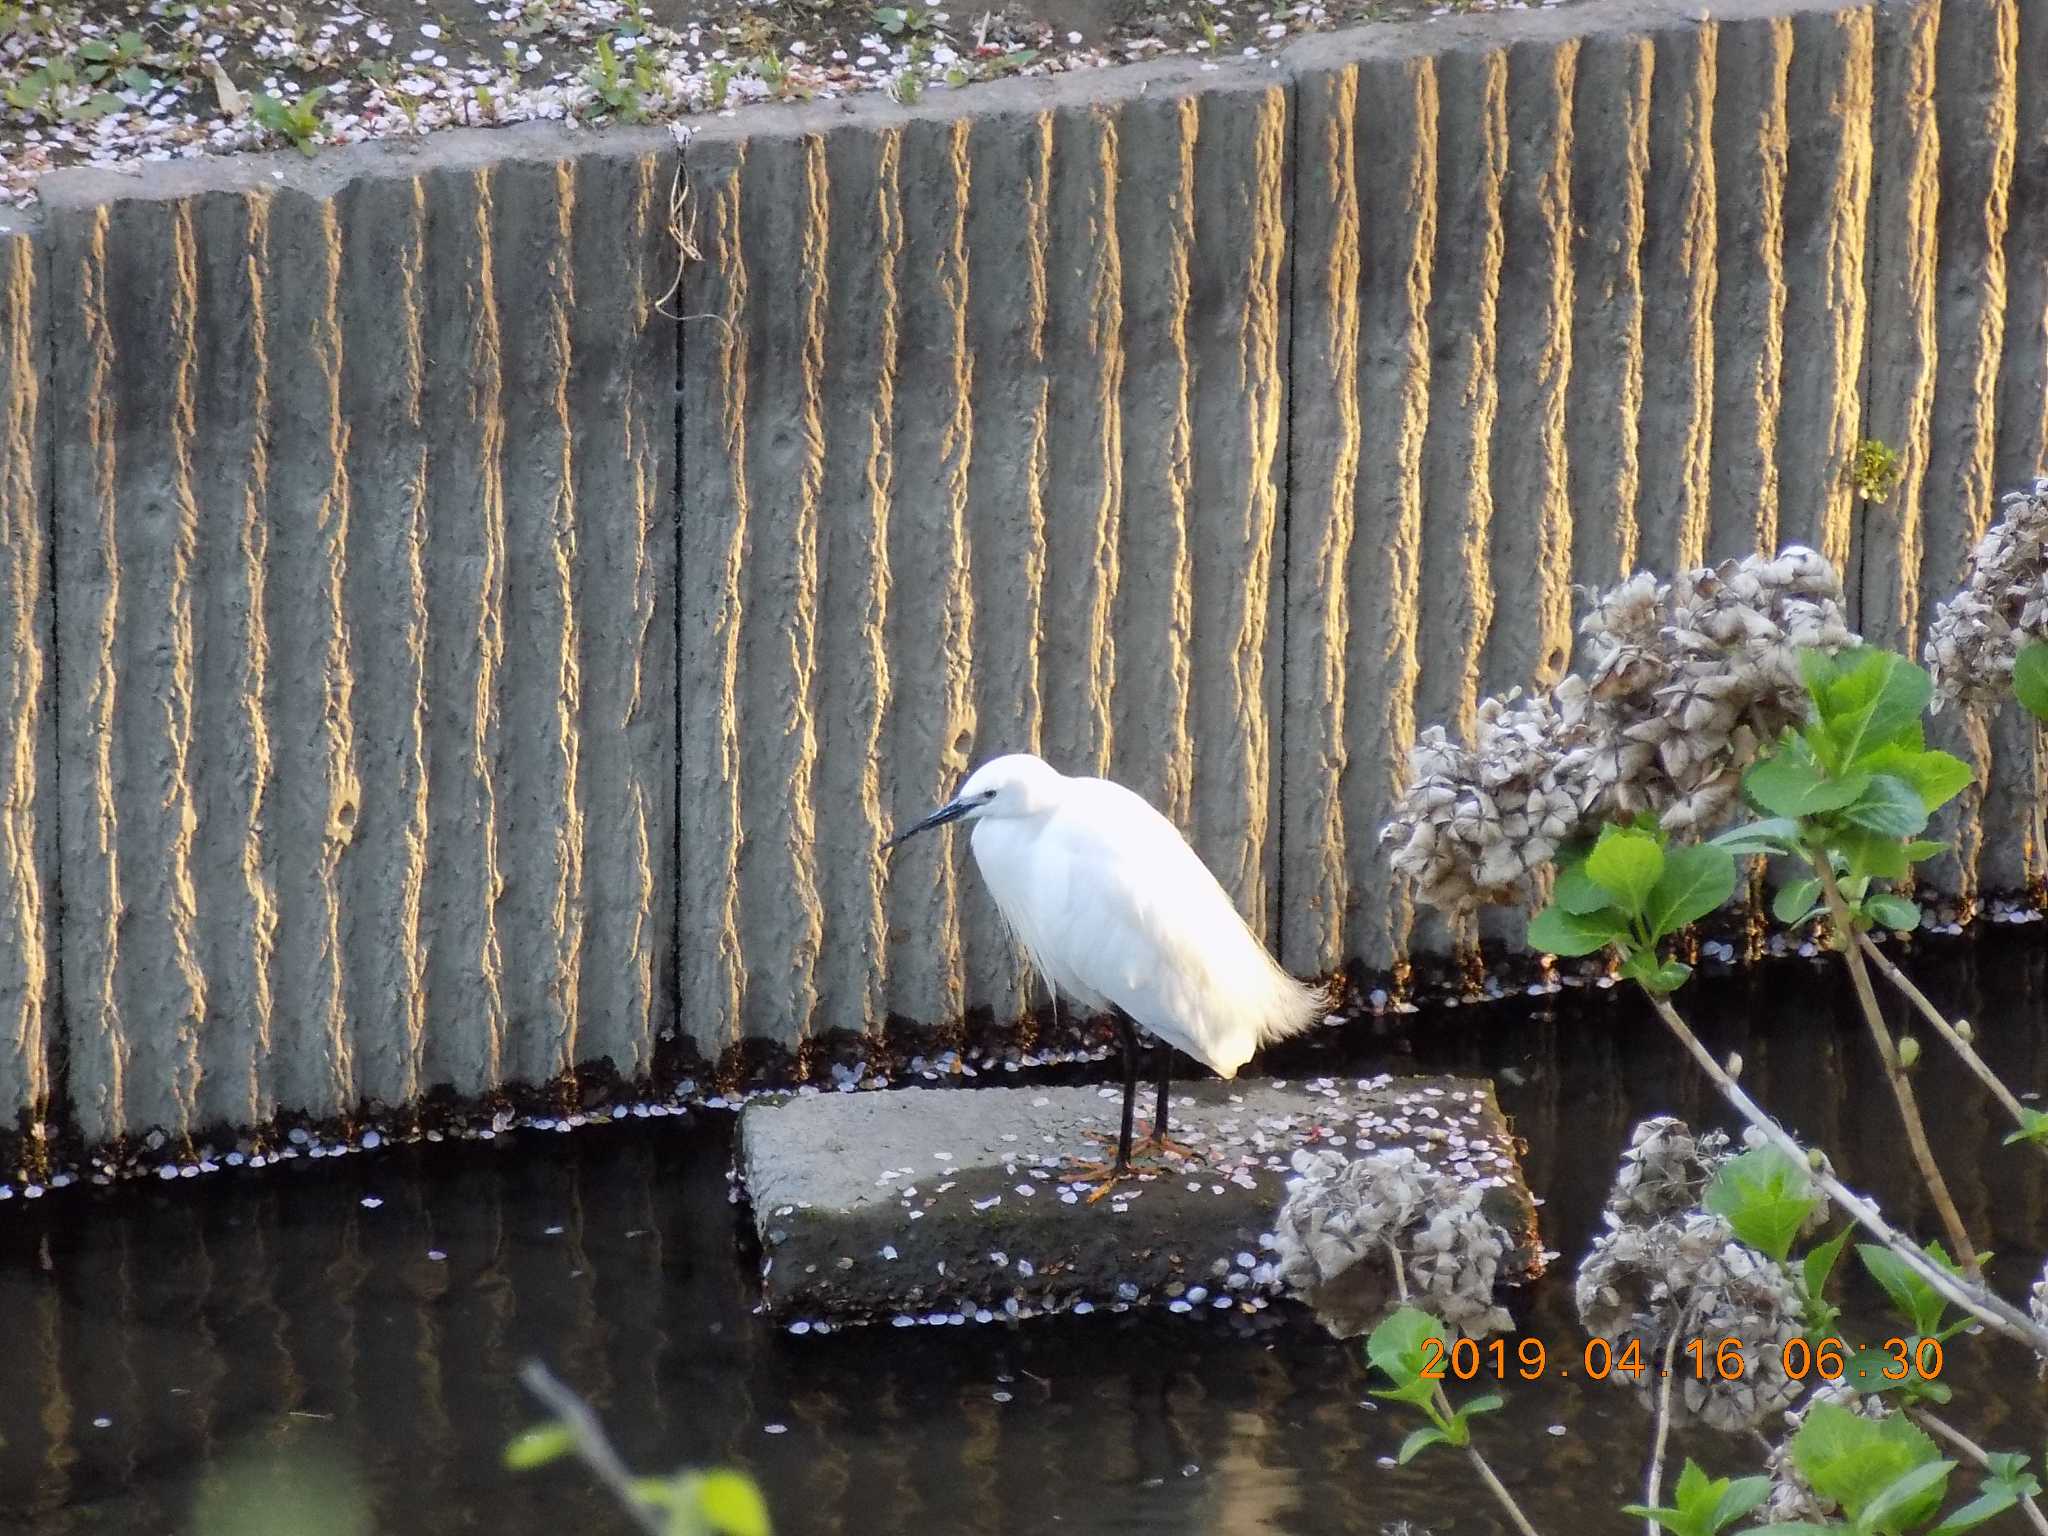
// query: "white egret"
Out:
[1118,913]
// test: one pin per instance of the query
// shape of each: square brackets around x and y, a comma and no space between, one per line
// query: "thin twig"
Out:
[1935,1425]
[1499,1490]
[1654,1488]
[1895,1072]
[1978,1066]
[1976,1299]
[593,1449]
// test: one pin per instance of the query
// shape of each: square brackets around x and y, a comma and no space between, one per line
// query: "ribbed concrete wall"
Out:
[1960,246]
[1570,303]
[983,452]
[438,698]
[364,525]
[28,821]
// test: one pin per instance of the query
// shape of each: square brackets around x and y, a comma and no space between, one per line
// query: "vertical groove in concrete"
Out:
[1679,265]
[1604,400]
[28,910]
[1902,354]
[1750,150]
[2022,414]
[1976,95]
[1366,208]
[369,563]
[944,327]
[1530,460]
[1826,308]
[391,462]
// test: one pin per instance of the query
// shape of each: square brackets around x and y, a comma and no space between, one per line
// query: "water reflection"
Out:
[153,1330]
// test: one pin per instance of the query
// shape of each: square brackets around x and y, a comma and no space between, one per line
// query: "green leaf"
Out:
[1765,1198]
[1908,1499]
[1854,1461]
[1694,1486]
[1870,698]
[1888,806]
[1936,777]
[1789,783]
[1867,1367]
[1668,978]
[1578,893]
[1777,835]
[1397,1345]
[96,50]
[1894,911]
[1555,931]
[1420,1441]
[1996,1499]
[1696,880]
[2008,1465]
[138,80]
[726,1502]
[1490,1403]
[1738,1498]
[2033,1126]
[2030,678]
[1819,1264]
[1627,864]
[1794,902]
[538,1446]
[1913,1296]
[1672,1520]
[1870,855]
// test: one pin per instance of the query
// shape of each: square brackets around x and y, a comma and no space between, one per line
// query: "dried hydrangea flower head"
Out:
[1341,1218]
[1683,681]
[1665,1170]
[1975,636]
[1664,1267]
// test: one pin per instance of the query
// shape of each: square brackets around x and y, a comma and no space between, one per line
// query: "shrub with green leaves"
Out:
[1888,1478]
[1629,892]
[1399,1347]
[714,1503]
[1857,784]
[1705,1505]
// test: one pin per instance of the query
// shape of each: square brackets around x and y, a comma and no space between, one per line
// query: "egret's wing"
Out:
[1137,918]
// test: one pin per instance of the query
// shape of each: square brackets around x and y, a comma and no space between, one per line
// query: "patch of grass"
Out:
[296,122]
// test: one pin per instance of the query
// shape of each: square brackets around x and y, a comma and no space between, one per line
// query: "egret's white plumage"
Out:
[1114,908]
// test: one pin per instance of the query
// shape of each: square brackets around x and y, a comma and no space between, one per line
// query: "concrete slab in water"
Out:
[923,1200]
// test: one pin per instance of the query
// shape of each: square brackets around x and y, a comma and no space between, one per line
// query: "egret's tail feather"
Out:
[1294,1006]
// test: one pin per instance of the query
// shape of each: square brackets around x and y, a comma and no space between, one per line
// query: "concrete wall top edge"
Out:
[325,174]
[468,148]
[1494,31]
[1021,96]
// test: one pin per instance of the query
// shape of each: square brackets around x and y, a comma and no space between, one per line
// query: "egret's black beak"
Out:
[953,810]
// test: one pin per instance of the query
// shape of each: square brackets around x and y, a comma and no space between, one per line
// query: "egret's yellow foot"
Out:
[1104,1176]
[1148,1147]
[1166,1146]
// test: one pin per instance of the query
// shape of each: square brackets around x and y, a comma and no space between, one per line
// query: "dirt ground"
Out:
[114,82]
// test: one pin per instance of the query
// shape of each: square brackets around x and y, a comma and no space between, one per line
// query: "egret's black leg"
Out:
[1123,1145]
[1165,1077]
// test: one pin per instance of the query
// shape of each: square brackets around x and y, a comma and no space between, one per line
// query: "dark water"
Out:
[274,1310]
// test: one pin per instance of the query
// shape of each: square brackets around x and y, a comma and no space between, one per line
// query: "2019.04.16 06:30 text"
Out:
[1726,1359]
